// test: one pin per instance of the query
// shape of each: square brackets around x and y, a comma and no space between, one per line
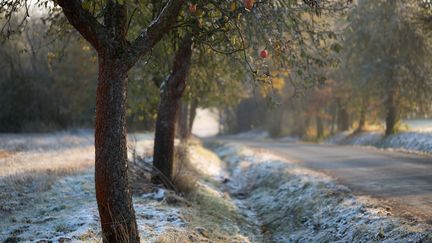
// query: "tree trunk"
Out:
[192,114]
[113,196]
[301,124]
[362,120]
[392,116]
[320,127]
[163,154]
[183,125]
[171,91]
[333,119]
[343,118]
[116,57]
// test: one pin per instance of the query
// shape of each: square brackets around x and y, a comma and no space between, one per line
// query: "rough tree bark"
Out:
[116,56]
[392,116]
[171,91]
[112,188]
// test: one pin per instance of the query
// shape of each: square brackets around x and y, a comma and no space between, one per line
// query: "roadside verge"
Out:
[294,204]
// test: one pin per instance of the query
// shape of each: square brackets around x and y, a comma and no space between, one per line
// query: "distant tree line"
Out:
[383,76]
[42,88]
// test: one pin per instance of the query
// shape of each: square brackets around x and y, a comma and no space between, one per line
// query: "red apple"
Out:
[264,53]
[249,4]
[192,8]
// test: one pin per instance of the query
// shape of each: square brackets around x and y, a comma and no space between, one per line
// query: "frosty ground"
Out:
[240,195]
[419,142]
[47,193]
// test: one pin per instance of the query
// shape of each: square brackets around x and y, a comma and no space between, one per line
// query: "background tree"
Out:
[388,58]
[383,71]
[227,28]
[171,91]
[37,90]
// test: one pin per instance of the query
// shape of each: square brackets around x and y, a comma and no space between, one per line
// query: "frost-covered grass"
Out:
[68,211]
[294,204]
[47,190]
[31,168]
[57,152]
[213,213]
[47,194]
[246,197]
[414,142]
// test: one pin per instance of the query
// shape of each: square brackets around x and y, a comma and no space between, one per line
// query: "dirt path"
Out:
[405,180]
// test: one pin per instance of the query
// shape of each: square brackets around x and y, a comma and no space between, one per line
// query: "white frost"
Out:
[299,205]
[414,142]
[67,210]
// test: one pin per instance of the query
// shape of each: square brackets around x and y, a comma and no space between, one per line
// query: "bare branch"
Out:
[153,33]
[82,20]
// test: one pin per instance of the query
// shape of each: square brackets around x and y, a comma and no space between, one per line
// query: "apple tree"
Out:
[266,37]
[105,25]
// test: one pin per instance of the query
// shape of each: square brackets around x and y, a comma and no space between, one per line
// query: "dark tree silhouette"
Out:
[171,91]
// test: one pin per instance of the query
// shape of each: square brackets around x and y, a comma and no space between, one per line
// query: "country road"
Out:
[402,180]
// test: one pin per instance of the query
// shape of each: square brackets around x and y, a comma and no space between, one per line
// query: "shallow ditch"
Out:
[289,203]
